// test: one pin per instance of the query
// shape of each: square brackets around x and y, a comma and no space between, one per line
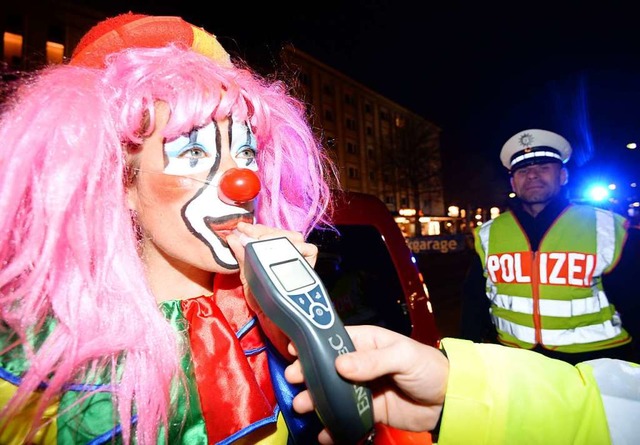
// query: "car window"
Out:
[358,272]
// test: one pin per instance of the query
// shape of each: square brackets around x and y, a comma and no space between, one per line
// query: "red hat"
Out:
[142,31]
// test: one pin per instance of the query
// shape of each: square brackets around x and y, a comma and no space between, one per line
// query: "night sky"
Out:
[481,71]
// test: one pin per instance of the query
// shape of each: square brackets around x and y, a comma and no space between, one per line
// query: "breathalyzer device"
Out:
[292,295]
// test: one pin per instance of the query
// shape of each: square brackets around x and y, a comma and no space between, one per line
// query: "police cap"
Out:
[534,146]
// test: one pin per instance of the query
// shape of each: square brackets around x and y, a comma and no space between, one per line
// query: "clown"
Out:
[128,176]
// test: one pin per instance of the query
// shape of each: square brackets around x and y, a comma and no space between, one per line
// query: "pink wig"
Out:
[68,249]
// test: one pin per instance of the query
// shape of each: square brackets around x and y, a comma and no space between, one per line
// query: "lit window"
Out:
[433,228]
[55,52]
[12,48]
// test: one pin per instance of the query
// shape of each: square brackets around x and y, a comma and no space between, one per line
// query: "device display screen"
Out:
[292,275]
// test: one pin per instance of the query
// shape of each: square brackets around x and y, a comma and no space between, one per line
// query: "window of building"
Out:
[55,52]
[369,130]
[403,202]
[304,78]
[352,148]
[12,40]
[349,99]
[384,114]
[354,173]
[400,121]
[327,89]
[367,108]
[55,47]
[12,49]
[350,123]
[372,175]
[371,154]
[328,115]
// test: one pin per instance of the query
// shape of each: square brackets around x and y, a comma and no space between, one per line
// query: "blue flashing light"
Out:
[597,193]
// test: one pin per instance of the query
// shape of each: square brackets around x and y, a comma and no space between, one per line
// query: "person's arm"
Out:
[494,394]
[501,395]
[621,286]
[475,319]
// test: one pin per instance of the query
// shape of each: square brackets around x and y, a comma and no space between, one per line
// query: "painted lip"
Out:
[223,227]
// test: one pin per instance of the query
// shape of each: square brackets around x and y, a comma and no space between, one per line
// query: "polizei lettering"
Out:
[362,403]
[561,268]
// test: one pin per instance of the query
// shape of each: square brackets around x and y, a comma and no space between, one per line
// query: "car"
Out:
[369,271]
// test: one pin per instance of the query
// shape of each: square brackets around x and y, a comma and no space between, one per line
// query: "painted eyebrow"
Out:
[248,137]
[193,134]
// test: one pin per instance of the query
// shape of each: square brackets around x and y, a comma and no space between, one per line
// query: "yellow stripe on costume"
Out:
[207,44]
[278,436]
[15,430]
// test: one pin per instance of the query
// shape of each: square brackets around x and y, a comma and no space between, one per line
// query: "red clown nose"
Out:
[238,185]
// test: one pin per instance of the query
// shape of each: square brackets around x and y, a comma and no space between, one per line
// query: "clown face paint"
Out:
[182,198]
[205,153]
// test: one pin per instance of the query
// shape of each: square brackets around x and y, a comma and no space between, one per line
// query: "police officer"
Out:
[550,275]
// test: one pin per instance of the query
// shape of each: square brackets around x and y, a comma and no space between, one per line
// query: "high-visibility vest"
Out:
[554,297]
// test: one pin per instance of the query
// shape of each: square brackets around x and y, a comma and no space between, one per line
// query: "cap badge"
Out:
[526,140]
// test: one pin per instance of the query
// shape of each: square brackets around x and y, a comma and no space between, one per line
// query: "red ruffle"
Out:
[235,390]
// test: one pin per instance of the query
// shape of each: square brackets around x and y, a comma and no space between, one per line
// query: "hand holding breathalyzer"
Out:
[409,379]
[292,295]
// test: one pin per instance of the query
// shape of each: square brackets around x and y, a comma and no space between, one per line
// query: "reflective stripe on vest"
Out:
[553,308]
[560,337]
[558,289]
[605,240]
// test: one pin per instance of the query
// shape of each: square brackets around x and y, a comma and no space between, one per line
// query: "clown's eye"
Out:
[195,151]
[248,153]
[191,153]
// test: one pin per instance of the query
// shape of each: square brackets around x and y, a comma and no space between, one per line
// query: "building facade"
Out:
[380,147]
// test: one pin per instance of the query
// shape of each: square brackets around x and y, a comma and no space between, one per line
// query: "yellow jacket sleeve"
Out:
[499,395]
